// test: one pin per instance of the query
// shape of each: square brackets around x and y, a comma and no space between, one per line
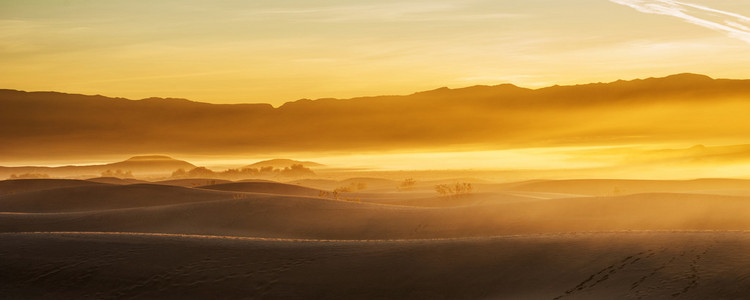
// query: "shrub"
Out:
[454,190]
[29,176]
[407,185]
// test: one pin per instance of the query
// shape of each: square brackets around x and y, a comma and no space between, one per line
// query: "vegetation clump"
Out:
[296,170]
[29,176]
[117,173]
[454,190]
[407,184]
[337,193]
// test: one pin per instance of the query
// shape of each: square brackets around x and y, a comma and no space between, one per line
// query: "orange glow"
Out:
[360,149]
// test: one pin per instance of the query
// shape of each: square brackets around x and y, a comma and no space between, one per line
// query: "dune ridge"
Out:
[599,187]
[285,214]
[266,187]
[102,197]
[10,187]
[263,239]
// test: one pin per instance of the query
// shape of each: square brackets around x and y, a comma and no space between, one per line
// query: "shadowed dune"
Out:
[608,187]
[317,183]
[366,183]
[14,186]
[418,199]
[115,180]
[102,197]
[258,215]
[192,182]
[265,187]
[308,217]
[638,265]
[268,240]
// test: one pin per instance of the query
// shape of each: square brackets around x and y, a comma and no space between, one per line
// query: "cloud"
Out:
[731,24]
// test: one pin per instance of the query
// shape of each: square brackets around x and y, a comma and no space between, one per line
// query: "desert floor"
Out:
[584,239]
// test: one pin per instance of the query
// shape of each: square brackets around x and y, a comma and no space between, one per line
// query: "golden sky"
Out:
[231,51]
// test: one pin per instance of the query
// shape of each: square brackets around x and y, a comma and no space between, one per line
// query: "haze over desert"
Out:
[592,149]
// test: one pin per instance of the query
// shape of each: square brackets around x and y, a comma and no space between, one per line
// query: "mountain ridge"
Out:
[35,125]
[693,77]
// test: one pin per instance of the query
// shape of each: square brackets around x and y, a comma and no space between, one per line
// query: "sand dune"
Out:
[272,240]
[99,197]
[312,217]
[418,199]
[363,183]
[115,180]
[15,186]
[381,185]
[265,187]
[543,195]
[316,183]
[192,182]
[609,187]
[258,215]
[638,265]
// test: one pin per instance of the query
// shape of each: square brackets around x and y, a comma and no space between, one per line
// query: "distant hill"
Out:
[151,164]
[138,165]
[683,108]
[284,163]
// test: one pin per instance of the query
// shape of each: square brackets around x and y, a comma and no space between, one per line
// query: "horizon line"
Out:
[381,95]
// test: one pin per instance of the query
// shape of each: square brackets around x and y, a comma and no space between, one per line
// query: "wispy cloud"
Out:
[733,24]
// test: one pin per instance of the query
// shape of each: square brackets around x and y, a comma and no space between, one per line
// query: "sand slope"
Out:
[610,187]
[16,186]
[644,265]
[130,242]
[420,199]
[192,182]
[265,187]
[365,183]
[100,197]
[309,217]
[116,180]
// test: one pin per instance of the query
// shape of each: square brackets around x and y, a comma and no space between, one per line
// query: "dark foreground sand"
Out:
[618,265]
[275,240]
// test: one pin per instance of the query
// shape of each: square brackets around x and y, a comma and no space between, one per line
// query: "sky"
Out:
[231,51]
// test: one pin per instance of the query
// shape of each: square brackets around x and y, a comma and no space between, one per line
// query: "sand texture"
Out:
[67,239]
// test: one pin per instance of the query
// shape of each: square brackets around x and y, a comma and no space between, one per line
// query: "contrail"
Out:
[734,25]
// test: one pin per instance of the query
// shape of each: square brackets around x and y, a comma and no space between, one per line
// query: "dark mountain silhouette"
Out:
[678,108]
[138,165]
